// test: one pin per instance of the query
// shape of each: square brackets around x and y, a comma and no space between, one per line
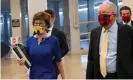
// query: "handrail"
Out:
[85,33]
[84,40]
[86,22]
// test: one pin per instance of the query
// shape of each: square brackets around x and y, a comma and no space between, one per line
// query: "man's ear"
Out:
[53,19]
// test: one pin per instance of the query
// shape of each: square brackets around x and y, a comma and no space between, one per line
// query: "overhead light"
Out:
[120,3]
[60,13]
[1,15]
[8,22]
[26,18]
[96,7]
[1,23]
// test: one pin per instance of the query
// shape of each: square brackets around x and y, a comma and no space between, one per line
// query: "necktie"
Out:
[104,53]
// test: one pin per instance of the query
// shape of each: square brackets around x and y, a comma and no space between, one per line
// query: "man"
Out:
[126,14]
[61,36]
[111,47]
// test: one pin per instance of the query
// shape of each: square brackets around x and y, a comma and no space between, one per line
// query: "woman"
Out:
[41,49]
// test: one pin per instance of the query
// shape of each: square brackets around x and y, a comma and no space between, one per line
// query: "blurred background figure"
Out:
[126,15]
[60,35]
[5,49]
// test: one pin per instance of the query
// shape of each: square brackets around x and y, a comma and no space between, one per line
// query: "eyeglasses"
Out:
[41,23]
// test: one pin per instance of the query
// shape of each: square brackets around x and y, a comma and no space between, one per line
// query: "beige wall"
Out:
[35,6]
[74,26]
[130,4]
[15,14]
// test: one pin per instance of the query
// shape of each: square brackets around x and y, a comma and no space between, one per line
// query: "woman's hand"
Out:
[21,62]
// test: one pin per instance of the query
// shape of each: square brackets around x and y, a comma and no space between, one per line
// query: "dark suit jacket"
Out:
[124,61]
[131,23]
[63,44]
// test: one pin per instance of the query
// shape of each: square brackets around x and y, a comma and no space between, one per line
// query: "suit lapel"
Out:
[53,31]
[97,55]
[119,37]
[132,23]
[98,39]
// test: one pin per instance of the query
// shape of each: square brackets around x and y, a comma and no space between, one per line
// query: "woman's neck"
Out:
[40,37]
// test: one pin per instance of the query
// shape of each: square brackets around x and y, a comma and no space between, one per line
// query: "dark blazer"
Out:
[63,44]
[131,23]
[124,61]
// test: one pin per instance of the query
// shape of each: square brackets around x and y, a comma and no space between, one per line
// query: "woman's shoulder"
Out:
[53,37]
[30,38]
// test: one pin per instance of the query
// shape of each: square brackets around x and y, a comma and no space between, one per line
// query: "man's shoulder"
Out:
[96,29]
[125,27]
[132,23]
[59,32]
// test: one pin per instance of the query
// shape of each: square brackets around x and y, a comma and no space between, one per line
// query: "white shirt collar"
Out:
[129,23]
[112,28]
[51,28]
[50,31]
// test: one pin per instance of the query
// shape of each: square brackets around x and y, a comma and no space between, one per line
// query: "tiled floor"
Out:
[74,66]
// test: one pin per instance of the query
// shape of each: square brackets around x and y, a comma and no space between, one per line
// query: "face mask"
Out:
[126,19]
[39,30]
[104,19]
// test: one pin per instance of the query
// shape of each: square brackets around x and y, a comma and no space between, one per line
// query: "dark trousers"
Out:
[56,76]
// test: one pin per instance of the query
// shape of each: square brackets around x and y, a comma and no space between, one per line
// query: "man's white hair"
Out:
[110,5]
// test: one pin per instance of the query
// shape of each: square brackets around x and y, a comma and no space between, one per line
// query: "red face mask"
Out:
[104,19]
[126,19]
